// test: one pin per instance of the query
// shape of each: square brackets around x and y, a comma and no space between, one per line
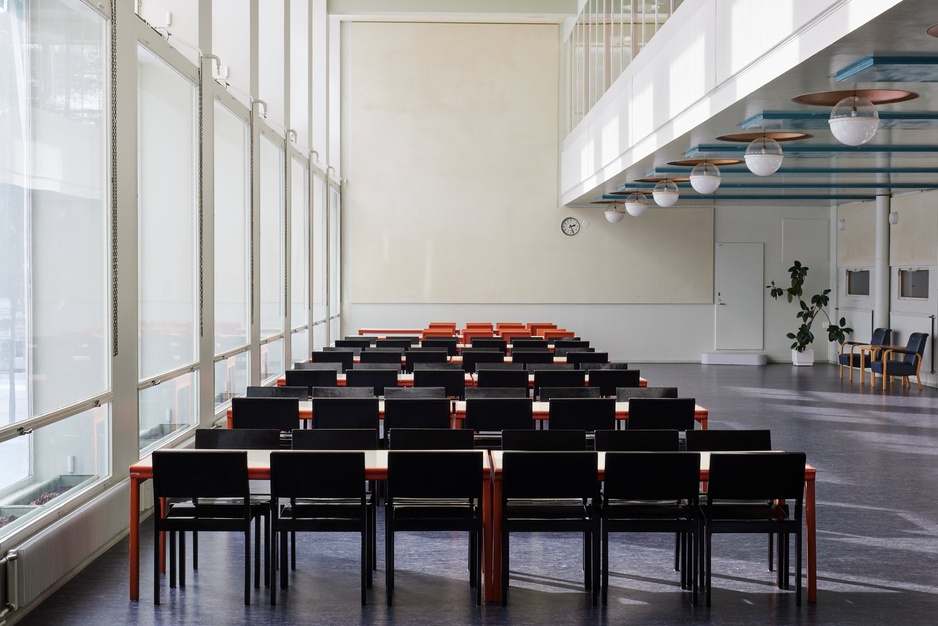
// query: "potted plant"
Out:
[809,309]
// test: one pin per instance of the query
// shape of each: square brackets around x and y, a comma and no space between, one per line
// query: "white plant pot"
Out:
[803,358]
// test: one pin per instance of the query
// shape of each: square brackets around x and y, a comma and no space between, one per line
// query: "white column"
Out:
[881,262]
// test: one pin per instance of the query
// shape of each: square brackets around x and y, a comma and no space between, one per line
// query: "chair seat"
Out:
[547,509]
[727,514]
[625,512]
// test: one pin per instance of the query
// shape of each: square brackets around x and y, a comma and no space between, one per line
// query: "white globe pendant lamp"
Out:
[854,120]
[763,156]
[705,177]
[666,193]
[636,204]
[614,214]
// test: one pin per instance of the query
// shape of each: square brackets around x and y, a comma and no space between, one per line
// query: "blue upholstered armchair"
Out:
[853,354]
[902,362]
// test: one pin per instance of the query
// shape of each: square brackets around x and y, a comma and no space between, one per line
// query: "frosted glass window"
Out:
[167,217]
[54,240]
[232,231]
[272,238]
[335,238]
[231,377]
[319,249]
[299,244]
[913,284]
[167,408]
[272,360]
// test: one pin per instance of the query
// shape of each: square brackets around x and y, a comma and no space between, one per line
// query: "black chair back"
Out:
[353,342]
[578,358]
[282,414]
[471,357]
[762,476]
[311,378]
[284,391]
[346,358]
[662,413]
[652,476]
[497,414]
[335,439]
[329,474]
[402,342]
[417,413]
[544,440]
[237,439]
[423,356]
[528,343]
[548,393]
[490,343]
[550,475]
[427,474]
[346,413]
[415,392]
[526,356]
[445,343]
[637,440]
[390,358]
[342,392]
[562,346]
[187,474]
[728,440]
[624,394]
[376,379]
[452,380]
[586,413]
[430,439]
[495,392]
[609,379]
[501,377]
[558,378]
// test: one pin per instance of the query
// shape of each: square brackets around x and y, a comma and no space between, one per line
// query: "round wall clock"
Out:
[570,226]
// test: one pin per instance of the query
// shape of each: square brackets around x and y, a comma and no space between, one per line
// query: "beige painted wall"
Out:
[451,152]
[855,244]
[912,240]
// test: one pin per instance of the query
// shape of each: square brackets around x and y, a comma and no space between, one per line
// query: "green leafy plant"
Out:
[809,309]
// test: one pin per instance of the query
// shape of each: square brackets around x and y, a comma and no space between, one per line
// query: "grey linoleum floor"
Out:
[877,519]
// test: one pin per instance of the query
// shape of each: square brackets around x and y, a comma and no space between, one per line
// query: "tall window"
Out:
[271,255]
[55,336]
[232,253]
[168,255]
[335,281]
[319,263]
[299,260]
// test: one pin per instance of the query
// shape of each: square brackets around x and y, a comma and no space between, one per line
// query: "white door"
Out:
[739,296]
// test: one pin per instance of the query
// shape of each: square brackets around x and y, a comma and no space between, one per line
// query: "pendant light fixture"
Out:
[614,214]
[854,120]
[705,177]
[666,193]
[763,156]
[636,204]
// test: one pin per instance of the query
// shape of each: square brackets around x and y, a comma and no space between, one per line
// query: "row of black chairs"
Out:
[542,491]
[344,359]
[491,415]
[454,381]
[450,344]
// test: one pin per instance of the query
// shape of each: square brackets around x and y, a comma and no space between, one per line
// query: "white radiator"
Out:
[44,562]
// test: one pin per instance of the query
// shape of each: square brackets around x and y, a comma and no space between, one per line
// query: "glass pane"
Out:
[335,274]
[319,260]
[63,456]
[299,245]
[54,246]
[167,218]
[913,284]
[232,231]
[299,346]
[858,282]
[320,340]
[231,377]
[166,408]
[272,238]
[272,360]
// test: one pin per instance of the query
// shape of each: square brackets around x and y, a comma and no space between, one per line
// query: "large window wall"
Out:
[162,282]
[55,335]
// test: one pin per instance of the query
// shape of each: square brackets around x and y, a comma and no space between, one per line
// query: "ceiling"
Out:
[892,52]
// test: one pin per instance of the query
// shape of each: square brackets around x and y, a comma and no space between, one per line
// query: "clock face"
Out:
[570,226]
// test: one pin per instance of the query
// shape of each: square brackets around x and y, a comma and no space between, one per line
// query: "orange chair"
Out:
[510,334]
[558,333]
[437,332]
[537,328]
[450,326]
[479,326]
[468,334]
